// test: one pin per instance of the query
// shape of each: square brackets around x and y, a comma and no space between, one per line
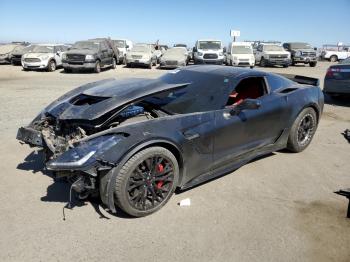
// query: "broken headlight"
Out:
[84,154]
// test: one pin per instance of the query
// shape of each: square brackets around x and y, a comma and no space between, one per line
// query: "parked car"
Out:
[174,57]
[337,80]
[208,52]
[43,56]
[301,53]
[136,140]
[6,51]
[272,54]
[240,54]
[92,54]
[124,46]
[335,53]
[18,52]
[141,54]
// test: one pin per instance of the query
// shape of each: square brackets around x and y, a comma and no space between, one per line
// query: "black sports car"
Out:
[135,141]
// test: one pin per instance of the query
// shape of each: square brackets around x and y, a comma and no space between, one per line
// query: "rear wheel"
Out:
[51,66]
[302,130]
[147,181]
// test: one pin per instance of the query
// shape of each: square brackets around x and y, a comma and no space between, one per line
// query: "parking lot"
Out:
[278,208]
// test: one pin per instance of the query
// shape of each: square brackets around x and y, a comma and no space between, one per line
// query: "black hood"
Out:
[91,101]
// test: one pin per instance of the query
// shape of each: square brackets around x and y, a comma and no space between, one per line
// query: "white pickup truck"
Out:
[208,51]
[335,54]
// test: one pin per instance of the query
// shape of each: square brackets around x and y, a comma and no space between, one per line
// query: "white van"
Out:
[123,45]
[240,54]
[208,51]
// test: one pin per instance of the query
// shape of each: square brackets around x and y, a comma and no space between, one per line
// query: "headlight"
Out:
[221,54]
[84,154]
[266,56]
[252,57]
[199,54]
[298,53]
[64,56]
[89,57]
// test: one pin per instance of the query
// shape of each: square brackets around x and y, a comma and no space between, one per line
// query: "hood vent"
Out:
[82,100]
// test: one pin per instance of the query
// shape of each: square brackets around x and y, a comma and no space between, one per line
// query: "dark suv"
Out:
[301,53]
[92,54]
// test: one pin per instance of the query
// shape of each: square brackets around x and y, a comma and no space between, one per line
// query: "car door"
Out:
[239,134]
[104,54]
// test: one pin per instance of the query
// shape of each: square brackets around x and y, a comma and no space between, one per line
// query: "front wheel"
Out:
[51,66]
[97,68]
[313,64]
[114,63]
[302,130]
[333,58]
[147,181]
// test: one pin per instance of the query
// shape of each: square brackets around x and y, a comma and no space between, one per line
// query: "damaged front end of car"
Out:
[79,132]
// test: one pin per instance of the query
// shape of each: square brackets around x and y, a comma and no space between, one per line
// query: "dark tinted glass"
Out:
[276,82]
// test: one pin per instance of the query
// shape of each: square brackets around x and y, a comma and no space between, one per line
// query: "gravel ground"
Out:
[278,208]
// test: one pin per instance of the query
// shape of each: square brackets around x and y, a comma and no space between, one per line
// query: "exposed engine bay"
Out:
[59,136]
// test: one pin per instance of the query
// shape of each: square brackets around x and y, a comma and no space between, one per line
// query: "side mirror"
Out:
[247,104]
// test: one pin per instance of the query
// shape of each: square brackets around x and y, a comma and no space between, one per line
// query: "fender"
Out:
[112,175]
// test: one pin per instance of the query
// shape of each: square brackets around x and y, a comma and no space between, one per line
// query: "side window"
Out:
[251,87]
[276,82]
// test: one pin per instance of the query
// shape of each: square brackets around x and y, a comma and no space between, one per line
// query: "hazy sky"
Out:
[175,21]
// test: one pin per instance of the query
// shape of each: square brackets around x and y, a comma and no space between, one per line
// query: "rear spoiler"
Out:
[302,79]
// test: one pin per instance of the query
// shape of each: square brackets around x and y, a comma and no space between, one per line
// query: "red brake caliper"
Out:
[160,169]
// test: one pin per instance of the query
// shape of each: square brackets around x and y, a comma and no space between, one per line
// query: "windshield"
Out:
[242,50]
[42,49]
[173,51]
[273,48]
[140,48]
[209,45]
[300,46]
[345,61]
[6,48]
[119,43]
[86,45]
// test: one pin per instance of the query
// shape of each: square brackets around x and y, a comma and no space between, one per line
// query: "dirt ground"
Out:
[278,208]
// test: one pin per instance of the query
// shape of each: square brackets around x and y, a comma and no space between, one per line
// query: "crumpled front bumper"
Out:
[30,136]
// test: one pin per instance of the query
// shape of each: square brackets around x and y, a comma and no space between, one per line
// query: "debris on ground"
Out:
[346,134]
[345,193]
[185,202]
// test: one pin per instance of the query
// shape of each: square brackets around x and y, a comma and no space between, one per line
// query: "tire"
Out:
[51,66]
[333,58]
[302,131]
[251,67]
[97,68]
[285,66]
[143,183]
[262,62]
[312,64]
[67,70]
[150,65]
[114,63]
